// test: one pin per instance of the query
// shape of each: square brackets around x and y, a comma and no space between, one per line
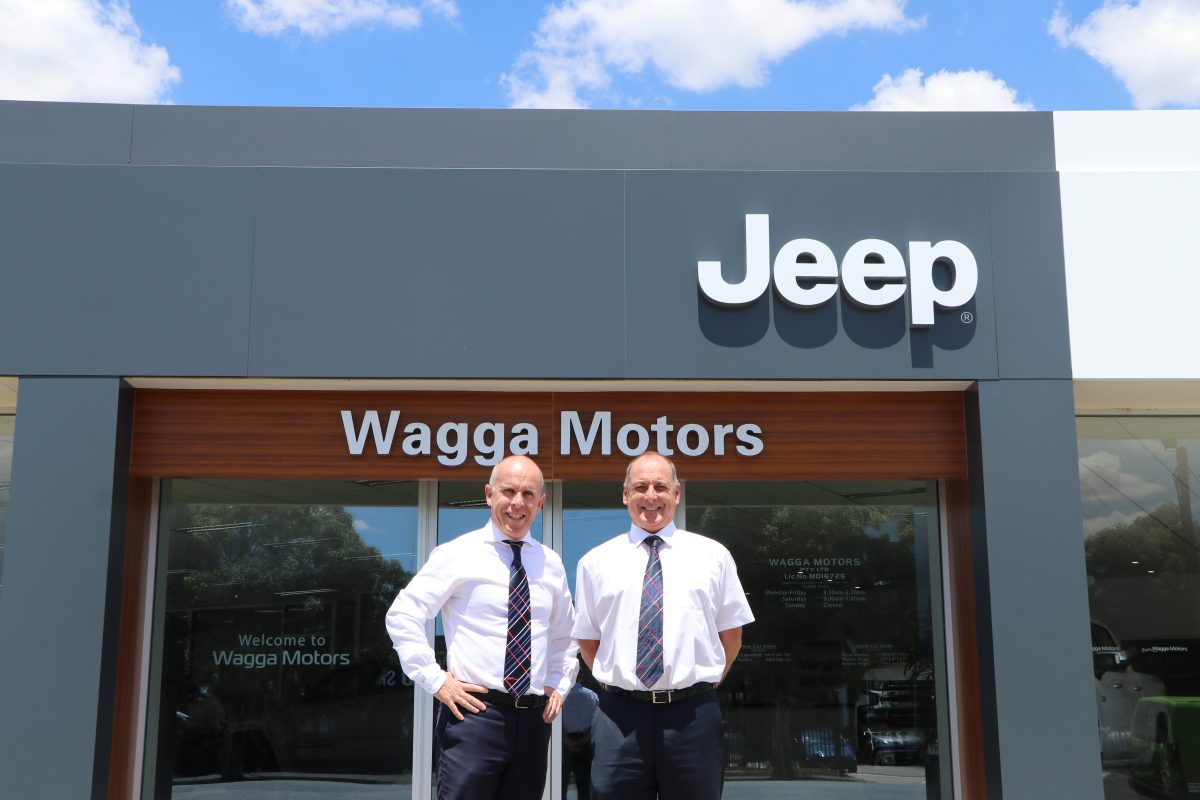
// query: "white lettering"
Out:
[417,439]
[491,448]
[873,274]
[524,440]
[572,430]
[758,270]
[791,268]
[662,429]
[858,267]
[633,429]
[370,424]
[751,444]
[453,453]
[925,295]
[701,434]
[719,434]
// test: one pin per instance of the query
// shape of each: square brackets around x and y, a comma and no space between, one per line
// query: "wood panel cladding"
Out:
[804,436]
[968,702]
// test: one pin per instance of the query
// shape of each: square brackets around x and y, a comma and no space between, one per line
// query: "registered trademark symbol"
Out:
[967,317]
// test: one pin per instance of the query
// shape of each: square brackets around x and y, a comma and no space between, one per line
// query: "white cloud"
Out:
[1092,525]
[79,50]
[361,525]
[968,90]
[317,18]
[698,45]
[1152,46]
[1102,478]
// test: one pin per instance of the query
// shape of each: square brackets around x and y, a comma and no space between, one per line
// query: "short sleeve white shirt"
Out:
[701,597]
[467,579]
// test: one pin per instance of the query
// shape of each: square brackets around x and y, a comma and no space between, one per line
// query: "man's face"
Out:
[650,495]
[516,498]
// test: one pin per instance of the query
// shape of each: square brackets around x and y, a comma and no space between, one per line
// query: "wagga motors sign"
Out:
[490,441]
[572,435]
[873,273]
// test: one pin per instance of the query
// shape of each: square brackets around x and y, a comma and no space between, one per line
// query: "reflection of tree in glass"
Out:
[1152,541]
[237,554]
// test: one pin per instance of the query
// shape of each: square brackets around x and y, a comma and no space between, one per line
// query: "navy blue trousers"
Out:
[498,754]
[673,751]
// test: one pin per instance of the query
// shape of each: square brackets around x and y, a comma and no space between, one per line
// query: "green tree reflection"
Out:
[243,555]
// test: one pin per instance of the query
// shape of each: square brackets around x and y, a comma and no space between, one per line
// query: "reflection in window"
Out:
[6,449]
[275,663]
[1138,477]
[839,678]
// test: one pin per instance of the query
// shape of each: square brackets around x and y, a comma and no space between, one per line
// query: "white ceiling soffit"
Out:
[1130,187]
[1137,397]
[8,395]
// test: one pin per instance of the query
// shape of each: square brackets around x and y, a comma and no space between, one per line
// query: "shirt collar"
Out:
[637,535]
[496,535]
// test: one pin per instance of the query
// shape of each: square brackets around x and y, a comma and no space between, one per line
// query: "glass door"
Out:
[836,690]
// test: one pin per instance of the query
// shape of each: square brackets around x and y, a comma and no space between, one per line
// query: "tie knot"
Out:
[516,548]
[653,542]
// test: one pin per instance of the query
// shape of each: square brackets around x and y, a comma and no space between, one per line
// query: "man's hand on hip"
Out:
[455,693]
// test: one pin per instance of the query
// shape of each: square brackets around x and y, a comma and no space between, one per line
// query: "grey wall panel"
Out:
[1029,275]
[65,534]
[64,133]
[675,219]
[892,142]
[443,273]
[411,138]
[124,270]
[1043,686]
[564,139]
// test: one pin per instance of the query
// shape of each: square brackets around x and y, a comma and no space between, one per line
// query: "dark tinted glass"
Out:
[837,682]
[276,674]
[1139,484]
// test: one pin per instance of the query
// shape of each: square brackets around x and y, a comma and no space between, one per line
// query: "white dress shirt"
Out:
[701,597]
[467,580]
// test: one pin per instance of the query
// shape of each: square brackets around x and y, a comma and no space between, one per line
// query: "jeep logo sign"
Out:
[873,273]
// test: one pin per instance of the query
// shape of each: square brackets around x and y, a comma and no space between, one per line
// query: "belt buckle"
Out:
[666,693]
[517,701]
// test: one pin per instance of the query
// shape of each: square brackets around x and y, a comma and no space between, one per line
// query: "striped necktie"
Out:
[517,645]
[650,630]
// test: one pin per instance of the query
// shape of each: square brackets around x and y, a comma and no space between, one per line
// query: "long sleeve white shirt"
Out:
[702,596]
[467,581]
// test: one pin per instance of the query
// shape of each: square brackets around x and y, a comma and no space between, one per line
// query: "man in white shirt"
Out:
[510,658]
[659,621]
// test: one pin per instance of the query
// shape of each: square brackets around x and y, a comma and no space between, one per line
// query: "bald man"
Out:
[659,622]
[510,658]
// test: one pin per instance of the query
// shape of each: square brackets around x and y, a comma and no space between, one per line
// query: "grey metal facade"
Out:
[324,243]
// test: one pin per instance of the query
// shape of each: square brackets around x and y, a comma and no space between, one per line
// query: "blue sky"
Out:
[677,54]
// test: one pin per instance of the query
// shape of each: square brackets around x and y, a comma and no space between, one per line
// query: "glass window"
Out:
[6,449]
[272,660]
[1139,482]
[839,678]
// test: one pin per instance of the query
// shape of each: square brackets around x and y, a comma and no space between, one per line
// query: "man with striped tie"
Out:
[510,658]
[659,622]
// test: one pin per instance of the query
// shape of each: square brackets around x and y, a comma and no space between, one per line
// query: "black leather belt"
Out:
[658,697]
[499,698]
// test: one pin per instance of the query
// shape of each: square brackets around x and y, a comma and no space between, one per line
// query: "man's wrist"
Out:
[434,682]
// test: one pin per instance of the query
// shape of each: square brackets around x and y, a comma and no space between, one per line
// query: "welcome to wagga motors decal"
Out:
[492,441]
